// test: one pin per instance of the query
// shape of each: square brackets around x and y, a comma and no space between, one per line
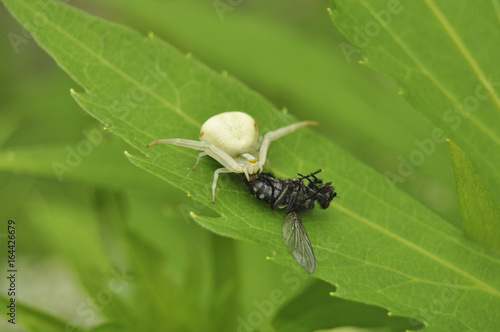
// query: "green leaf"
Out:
[312,310]
[377,244]
[359,109]
[479,210]
[443,56]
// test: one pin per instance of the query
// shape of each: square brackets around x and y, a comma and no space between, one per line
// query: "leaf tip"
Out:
[364,61]
[331,12]
[449,143]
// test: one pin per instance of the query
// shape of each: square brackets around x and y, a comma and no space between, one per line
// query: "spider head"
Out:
[249,165]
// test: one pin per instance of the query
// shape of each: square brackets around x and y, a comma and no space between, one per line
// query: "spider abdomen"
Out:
[234,132]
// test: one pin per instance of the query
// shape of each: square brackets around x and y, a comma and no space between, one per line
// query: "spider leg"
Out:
[216,176]
[230,165]
[224,159]
[188,143]
[201,154]
[274,135]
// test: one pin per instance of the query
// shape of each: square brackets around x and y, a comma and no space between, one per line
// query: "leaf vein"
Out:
[482,285]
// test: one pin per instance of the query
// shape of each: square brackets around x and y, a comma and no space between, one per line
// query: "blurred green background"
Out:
[107,217]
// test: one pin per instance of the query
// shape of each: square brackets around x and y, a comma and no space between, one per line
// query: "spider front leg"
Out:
[274,135]
[188,143]
[216,176]
[230,165]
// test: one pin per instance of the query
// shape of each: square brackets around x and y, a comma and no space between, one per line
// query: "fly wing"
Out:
[298,243]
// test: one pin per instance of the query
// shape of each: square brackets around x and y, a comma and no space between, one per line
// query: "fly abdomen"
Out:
[266,188]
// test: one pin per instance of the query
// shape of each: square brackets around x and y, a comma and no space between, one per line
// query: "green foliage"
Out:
[311,311]
[447,68]
[376,244]
[479,209]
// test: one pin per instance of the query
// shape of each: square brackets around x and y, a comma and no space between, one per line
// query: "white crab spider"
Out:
[232,138]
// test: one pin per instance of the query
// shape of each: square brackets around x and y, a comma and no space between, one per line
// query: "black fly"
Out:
[294,196]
